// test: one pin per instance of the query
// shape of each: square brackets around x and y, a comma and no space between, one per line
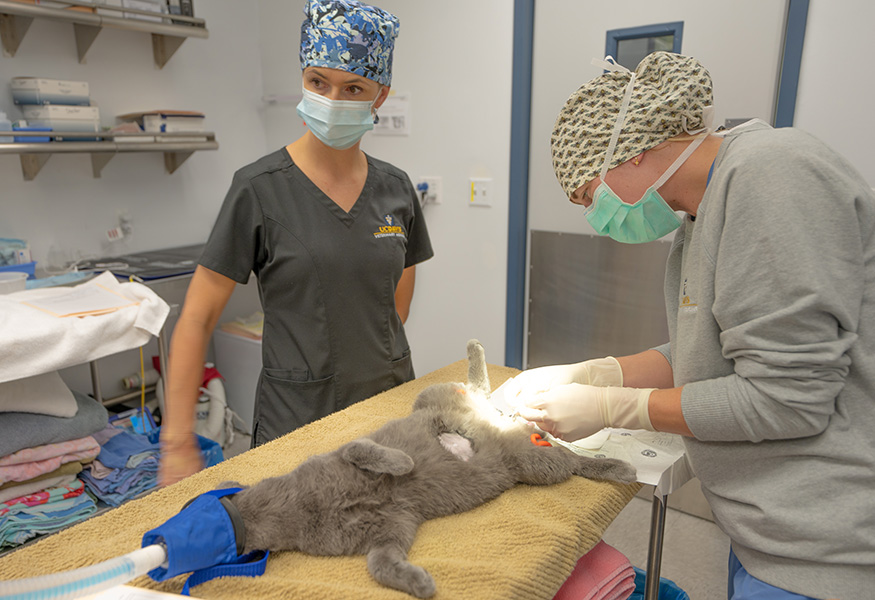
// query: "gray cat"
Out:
[370,495]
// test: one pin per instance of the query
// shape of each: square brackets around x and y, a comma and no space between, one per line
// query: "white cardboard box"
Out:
[62,118]
[156,6]
[34,90]
[238,359]
[164,123]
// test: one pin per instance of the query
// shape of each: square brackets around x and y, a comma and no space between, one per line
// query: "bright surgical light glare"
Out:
[490,413]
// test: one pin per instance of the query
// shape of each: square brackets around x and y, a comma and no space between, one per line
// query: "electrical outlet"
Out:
[432,192]
[481,192]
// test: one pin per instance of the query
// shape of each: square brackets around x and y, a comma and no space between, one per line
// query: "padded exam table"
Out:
[523,544]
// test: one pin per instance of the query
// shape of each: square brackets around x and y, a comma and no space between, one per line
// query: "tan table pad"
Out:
[522,545]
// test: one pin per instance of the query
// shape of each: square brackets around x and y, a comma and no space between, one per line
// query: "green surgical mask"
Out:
[651,217]
[645,221]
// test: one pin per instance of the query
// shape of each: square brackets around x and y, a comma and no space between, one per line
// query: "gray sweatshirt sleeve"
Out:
[665,350]
[788,283]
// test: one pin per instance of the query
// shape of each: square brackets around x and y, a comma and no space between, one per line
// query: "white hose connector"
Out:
[87,580]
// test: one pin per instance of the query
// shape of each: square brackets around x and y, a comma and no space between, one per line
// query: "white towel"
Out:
[34,342]
[45,394]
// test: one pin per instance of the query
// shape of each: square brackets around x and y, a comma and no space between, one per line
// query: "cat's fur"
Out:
[370,495]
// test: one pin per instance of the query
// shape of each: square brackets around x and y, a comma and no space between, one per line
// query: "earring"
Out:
[636,161]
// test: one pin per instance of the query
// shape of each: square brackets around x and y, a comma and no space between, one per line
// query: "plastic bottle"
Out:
[133,381]
[5,125]
[210,412]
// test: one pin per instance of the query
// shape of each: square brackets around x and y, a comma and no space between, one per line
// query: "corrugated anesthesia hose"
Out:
[87,580]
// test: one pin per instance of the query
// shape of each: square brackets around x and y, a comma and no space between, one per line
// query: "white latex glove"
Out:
[574,411]
[600,371]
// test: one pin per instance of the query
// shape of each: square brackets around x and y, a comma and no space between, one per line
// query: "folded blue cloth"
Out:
[121,486]
[117,450]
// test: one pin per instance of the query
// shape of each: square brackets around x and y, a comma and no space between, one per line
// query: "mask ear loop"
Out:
[680,160]
[624,107]
[707,116]
[373,105]
[609,64]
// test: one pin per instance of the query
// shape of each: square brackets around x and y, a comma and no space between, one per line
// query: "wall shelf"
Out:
[16,18]
[33,155]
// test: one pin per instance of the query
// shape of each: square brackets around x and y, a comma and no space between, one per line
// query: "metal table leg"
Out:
[162,358]
[95,381]
[654,551]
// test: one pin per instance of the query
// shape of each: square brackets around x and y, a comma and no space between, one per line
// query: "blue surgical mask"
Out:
[337,123]
[650,218]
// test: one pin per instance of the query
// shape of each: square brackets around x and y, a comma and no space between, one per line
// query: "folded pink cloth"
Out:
[33,462]
[603,573]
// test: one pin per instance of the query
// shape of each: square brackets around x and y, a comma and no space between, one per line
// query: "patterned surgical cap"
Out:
[351,36]
[669,97]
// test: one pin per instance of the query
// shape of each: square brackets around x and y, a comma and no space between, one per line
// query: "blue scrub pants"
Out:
[744,586]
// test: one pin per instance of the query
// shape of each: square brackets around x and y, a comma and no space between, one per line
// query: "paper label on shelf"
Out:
[60,111]
[394,116]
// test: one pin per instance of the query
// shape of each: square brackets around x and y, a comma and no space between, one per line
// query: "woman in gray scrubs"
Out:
[770,296]
[333,236]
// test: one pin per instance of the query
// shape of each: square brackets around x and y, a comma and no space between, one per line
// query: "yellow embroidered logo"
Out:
[390,229]
[686,302]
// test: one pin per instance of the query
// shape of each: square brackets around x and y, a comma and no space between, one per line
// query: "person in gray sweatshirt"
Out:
[769,372]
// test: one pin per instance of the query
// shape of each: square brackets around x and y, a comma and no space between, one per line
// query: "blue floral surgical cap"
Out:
[351,36]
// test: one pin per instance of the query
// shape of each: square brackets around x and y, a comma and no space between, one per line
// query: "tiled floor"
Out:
[694,554]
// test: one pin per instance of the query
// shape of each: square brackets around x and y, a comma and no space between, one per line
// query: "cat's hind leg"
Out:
[387,559]
[544,466]
[369,455]
[611,469]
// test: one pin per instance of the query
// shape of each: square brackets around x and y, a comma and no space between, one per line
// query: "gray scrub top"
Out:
[326,278]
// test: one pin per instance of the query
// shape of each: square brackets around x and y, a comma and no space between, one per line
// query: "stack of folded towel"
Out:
[46,439]
[126,467]
[47,432]
[603,573]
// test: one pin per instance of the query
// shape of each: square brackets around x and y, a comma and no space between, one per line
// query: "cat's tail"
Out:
[478,378]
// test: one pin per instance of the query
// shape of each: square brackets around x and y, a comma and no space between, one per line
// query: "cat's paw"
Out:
[619,470]
[390,568]
[419,582]
[611,469]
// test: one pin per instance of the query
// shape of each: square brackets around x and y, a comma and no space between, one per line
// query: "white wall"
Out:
[835,83]
[454,59]
[65,210]
[280,22]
